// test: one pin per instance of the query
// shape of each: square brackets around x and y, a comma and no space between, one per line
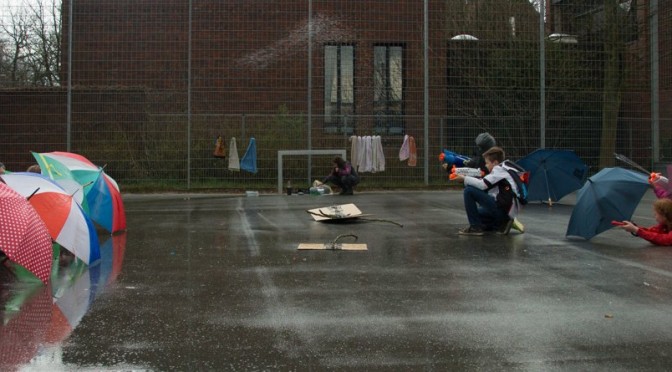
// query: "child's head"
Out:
[493,157]
[339,162]
[34,169]
[662,208]
[485,141]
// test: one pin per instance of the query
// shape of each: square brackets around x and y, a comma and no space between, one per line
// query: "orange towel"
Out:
[413,152]
[219,148]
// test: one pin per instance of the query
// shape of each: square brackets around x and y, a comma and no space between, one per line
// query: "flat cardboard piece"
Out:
[329,246]
[336,212]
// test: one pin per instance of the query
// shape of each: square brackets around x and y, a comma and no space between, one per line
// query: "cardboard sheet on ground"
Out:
[336,212]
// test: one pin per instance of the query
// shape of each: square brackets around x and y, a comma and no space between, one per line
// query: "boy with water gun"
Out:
[491,202]
[460,165]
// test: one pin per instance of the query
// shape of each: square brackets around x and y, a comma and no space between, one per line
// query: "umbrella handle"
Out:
[34,192]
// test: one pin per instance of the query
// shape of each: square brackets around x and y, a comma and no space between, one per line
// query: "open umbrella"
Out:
[553,173]
[67,223]
[24,237]
[611,194]
[105,205]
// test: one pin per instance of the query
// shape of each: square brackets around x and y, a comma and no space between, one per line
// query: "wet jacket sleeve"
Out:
[488,181]
[658,235]
[475,182]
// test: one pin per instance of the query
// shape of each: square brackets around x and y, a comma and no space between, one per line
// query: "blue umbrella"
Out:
[611,194]
[553,174]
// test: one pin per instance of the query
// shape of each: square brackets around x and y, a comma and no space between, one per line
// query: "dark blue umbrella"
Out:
[553,174]
[611,194]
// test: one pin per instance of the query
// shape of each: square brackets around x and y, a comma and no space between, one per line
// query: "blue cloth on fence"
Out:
[249,160]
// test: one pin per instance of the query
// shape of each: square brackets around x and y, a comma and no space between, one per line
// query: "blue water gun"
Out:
[452,158]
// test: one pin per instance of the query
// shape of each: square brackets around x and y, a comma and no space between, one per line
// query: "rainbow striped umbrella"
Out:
[105,205]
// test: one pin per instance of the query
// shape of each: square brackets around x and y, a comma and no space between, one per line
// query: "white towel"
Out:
[354,156]
[404,151]
[234,161]
[378,154]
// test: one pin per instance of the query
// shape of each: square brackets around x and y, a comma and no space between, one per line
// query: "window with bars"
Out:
[339,93]
[388,89]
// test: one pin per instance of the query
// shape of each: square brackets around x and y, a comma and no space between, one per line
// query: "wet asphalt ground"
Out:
[215,282]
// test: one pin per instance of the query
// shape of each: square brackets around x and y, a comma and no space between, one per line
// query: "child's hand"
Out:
[458,178]
[629,227]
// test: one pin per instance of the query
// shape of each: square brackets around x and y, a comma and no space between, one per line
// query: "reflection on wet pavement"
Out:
[37,319]
[216,282]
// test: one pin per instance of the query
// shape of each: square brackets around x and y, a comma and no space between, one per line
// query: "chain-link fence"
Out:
[144,88]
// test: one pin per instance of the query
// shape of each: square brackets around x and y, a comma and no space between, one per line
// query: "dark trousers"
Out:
[482,210]
[344,182]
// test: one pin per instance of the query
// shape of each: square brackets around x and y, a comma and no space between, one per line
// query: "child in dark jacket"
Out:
[659,234]
[343,175]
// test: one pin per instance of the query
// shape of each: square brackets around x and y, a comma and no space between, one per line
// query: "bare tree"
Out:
[45,42]
[31,45]
[14,48]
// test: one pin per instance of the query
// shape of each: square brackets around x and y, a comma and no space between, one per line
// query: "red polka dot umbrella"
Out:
[24,237]
[67,223]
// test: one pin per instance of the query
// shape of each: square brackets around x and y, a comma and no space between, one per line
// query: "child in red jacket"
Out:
[660,234]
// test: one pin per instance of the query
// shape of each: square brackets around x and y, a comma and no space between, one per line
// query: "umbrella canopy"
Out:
[67,223]
[553,173]
[24,237]
[105,205]
[611,194]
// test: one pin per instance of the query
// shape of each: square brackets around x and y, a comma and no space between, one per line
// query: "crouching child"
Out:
[492,202]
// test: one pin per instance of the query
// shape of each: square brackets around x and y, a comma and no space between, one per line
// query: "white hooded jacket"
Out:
[489,183]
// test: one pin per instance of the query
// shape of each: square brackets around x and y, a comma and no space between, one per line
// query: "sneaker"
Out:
[506,227]
[471,230]
[518,226]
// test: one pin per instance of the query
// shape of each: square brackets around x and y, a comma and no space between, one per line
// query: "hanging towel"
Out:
[366,163]
[361,152]
[404,151]
[378,154]
[354,156]
[219,148]
[249,160]
[234,162]
[413,152]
